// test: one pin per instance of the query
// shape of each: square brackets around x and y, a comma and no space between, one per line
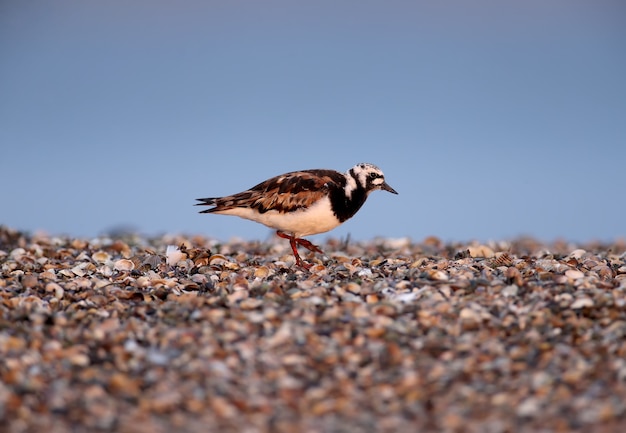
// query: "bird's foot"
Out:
[294,242]
[304,265]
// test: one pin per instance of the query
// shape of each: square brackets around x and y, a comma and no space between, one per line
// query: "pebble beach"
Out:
[189,334]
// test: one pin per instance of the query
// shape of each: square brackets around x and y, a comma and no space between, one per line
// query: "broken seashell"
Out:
[124,265]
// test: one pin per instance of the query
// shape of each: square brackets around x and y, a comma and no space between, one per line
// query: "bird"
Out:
[303,203]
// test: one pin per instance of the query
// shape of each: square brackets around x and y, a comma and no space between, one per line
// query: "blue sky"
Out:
[492,119]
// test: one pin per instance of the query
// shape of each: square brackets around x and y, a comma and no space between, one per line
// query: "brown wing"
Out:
[284,193]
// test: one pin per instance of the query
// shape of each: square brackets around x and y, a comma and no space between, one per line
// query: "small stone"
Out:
[470,315]
[529,408]
[574,274]
[29,281]
[437,275]
[261,272]
[583,302]
[510,291]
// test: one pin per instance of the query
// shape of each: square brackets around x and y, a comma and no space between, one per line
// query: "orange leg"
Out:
[294,242]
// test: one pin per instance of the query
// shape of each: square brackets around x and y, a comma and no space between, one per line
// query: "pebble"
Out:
[582,302]
[574,274]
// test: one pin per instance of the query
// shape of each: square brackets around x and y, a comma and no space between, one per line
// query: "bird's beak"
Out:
[385,186]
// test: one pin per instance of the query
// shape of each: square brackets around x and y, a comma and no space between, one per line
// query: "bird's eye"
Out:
[373,175]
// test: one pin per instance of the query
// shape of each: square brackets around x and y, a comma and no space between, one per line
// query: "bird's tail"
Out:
[209,201]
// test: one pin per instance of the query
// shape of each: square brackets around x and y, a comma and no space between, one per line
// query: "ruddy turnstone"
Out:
[303,203]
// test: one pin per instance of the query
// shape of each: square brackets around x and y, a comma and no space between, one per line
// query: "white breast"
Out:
[318,218]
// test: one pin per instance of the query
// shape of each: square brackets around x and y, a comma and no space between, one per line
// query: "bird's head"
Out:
[370,177]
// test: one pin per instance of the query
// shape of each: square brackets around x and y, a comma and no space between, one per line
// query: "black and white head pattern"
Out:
[368,177]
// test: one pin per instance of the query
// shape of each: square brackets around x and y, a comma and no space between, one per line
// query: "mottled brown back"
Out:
[284,193]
